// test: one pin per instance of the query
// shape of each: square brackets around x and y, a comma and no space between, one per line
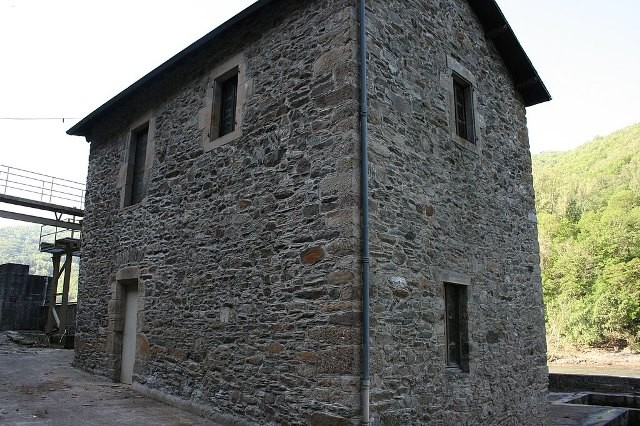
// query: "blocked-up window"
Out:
[456,318]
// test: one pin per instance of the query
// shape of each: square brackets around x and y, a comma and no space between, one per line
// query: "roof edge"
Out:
[81,128]
[525,77]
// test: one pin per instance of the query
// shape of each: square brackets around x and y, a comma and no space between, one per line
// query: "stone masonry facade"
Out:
[444,210]
[246,255]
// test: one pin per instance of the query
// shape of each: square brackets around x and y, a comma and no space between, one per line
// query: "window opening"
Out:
[220,120]
[463,109]
[456,325]
[139,151]
[228,101]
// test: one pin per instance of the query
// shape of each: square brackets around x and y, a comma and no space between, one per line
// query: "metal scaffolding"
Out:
[28,192]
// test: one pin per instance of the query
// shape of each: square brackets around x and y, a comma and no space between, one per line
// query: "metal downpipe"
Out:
[364,202]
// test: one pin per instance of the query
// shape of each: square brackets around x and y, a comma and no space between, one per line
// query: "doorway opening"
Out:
[129,332]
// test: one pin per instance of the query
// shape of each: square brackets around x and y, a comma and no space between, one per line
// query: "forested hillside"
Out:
[20,244]
[588,203]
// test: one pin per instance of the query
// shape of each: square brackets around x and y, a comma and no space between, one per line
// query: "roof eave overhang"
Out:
[525,78]
[83,127]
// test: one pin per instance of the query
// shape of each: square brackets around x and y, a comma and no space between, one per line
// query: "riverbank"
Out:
[596,361]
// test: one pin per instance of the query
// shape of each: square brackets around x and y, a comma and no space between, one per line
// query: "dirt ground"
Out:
[38,386]
[596,361]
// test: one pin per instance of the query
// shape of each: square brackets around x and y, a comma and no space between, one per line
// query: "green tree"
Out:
[21,244]
[588,203]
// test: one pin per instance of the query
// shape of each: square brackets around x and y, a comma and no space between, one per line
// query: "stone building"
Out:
[226,247]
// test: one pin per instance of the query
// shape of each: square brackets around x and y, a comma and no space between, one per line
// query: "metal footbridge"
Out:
[64,198]
[58,206]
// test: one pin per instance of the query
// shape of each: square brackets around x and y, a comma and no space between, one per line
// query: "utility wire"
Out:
[38,118]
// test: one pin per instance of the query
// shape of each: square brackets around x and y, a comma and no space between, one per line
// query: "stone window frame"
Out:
[462,283]
[458,73]
[125,175]
[209,116]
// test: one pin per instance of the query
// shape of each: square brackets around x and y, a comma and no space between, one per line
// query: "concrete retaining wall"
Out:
[22,297]
[578,382]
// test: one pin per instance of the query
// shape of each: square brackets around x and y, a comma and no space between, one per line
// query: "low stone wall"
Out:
[574,382]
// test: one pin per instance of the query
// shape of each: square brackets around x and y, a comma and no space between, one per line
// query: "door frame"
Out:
[126,278]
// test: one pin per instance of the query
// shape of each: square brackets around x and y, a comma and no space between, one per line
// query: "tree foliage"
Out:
[588,203]
[20,244]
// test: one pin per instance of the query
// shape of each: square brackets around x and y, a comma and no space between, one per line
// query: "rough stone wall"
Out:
[246,255]
[441,210]
[101,252]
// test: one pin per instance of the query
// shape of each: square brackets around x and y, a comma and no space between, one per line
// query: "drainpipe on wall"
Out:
[364,202]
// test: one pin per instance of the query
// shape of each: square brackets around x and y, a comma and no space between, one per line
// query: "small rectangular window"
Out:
[224,119]
[228,102]
[137,162]
[220,120]
[456,326]
[463,109]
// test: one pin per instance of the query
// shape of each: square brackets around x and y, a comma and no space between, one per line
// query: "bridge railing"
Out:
[50,234]
[39,187]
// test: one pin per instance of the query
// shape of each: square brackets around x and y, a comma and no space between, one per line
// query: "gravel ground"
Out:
[38,386]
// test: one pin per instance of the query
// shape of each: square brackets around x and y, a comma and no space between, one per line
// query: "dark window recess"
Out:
[139,154]
[229,95]
[456,326]
[463,109]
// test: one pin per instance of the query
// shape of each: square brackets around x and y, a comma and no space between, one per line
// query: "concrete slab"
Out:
[38,386]
[584,415]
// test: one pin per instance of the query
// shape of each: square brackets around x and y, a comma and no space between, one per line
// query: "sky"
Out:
[587,53]
[65,58]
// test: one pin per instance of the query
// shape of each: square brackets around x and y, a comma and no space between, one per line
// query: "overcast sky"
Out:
[65,58]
